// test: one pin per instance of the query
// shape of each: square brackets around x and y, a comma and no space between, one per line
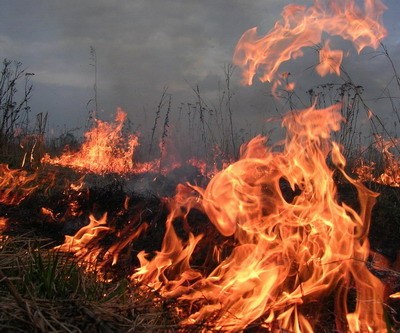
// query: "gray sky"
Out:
[145,45]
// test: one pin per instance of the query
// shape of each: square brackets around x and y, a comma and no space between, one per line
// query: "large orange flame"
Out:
[289,252]
[304,27]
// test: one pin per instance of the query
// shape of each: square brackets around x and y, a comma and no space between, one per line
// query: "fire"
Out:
[304,27]
[295,243]
[391,173]
[289,252]
[288,241]
[329,61]
[391,169]
[3,224]
[84,243]
[105,150]
[15,185]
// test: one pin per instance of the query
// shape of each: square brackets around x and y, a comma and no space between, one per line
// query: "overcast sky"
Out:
[145,45]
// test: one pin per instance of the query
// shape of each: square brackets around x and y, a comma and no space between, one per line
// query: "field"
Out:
[200,225]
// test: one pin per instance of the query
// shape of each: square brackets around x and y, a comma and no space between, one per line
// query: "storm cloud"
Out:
[143,46]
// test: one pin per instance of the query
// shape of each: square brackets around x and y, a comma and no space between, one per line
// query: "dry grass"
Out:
[75,300]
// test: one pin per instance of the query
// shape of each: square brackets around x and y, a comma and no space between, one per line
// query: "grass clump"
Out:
[42,290]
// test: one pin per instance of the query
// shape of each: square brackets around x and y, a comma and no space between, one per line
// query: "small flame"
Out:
[15,185]
[329,61]
[80,243]
[115,250]
[174,255]
[3,224]
[390,175]
[396,295]
[105,149]
[48,212]
[370,114]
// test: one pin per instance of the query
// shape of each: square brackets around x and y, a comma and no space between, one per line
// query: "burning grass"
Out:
[150,263]
[46,290]
[256,247]
[282,239]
